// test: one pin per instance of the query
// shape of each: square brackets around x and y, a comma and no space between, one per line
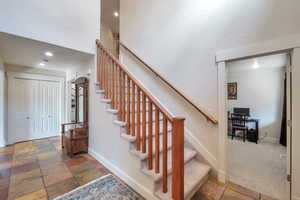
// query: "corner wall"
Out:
[2,104]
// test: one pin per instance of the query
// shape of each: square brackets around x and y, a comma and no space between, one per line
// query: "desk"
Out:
[256,131]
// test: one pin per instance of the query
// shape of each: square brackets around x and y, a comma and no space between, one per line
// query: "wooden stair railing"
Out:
[180,93]
[132,100]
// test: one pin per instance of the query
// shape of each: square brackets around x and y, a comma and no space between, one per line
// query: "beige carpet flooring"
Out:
[260,167]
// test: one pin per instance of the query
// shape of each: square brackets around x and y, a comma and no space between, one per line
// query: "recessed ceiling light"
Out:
[256,65]
[116,14]
[42,64]
[49,54]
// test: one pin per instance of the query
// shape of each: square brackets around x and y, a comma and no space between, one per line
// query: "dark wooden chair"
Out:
[239,123]
[75,138]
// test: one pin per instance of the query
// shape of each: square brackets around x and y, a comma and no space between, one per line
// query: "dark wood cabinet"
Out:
[75,135]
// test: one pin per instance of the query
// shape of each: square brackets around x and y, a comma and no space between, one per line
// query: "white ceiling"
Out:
[266,62]
[25,52]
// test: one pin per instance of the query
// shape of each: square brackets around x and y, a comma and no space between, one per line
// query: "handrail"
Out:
[142,113]
[169,115]
[206,115]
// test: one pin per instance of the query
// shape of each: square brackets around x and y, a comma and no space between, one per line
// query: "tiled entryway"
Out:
[39,170]
[214,190]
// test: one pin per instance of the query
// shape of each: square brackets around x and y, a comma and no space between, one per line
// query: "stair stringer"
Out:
[190,157]
[113,152]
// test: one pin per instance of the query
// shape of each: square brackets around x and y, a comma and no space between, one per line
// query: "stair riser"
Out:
[170,169]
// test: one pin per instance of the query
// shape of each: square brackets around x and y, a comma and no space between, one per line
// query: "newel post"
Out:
[178,159]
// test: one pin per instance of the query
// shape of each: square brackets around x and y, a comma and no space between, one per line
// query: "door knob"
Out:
[27,117]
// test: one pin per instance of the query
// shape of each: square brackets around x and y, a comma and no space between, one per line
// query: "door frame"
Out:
[40,77]
[284,45]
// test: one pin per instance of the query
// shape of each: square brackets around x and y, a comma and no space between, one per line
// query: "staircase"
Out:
[154,135]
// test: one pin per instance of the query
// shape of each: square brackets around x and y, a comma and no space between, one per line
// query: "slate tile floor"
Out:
[38,170]
[213,190]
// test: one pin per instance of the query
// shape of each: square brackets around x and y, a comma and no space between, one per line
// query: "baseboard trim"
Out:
[123,176]
[222,176]
[201,149]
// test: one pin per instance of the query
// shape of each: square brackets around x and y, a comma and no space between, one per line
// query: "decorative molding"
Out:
[258,49]
[200,148]
[123,176]
[222,131]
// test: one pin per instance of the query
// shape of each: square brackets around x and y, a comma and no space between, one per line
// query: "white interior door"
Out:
[34,109]
[18,114]
[50,108]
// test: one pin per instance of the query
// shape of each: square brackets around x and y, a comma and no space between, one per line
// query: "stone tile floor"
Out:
[38,170]
[214,190]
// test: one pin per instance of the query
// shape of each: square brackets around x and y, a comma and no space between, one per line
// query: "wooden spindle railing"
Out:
[143,115]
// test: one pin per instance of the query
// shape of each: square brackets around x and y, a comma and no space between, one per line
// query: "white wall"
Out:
[73,24]
[106,144]
[261,90]
[180,38]
[2,104]
[107,38]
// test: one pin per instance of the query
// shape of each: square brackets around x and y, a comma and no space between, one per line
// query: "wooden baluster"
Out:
[120,94]
[133,110]
[110,78]
[178,158]
[124,97]
[165,155]
[157,121]
[128,106]
[138,125]
[98,64]
[101,68]
[144,123]
[150,132]
[105,76]
[113,85]
[117,103]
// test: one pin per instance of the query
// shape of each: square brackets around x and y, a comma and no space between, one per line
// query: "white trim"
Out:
[200,148]
[123,176]
[257,49]
[287,44]
[222,150]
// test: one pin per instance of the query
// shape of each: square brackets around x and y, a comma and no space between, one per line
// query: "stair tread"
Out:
[124,124]
[195,173]
[131,138]
[189,154]
[144,156]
